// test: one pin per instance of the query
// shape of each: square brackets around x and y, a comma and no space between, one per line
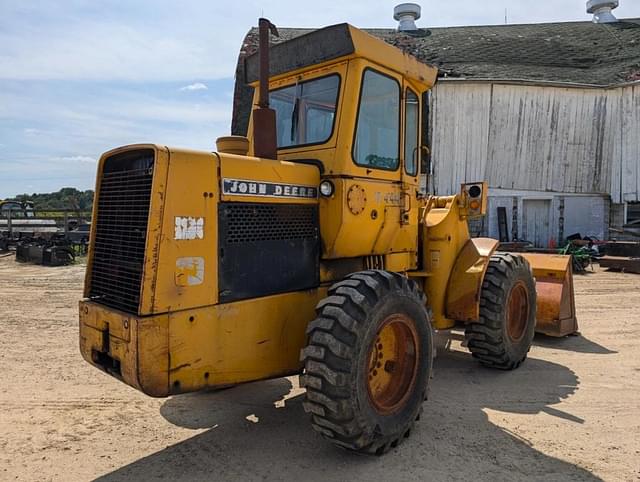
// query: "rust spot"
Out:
[262,341]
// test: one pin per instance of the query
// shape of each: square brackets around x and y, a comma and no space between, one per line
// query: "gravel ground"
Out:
[571,412]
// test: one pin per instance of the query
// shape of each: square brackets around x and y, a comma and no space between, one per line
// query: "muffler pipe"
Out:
[265,143]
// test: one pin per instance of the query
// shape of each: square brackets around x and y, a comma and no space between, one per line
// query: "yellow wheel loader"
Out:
[307,248]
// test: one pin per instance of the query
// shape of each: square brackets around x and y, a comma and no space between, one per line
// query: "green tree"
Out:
[65,198]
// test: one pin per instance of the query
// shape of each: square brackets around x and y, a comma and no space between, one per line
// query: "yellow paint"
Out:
[465,281]
[141,349]
[385,349]
[191,196]
[445,232]
[377,227]
[192,349]
[240,341]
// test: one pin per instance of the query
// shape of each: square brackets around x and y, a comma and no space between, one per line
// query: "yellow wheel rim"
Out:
[517,312]
[393,363]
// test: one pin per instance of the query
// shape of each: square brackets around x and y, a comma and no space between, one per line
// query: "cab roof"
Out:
[334,43]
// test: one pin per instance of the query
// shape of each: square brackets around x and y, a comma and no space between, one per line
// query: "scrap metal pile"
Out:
[621,256]
[56,251]
[40,239]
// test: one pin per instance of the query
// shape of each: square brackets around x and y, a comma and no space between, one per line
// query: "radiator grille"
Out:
[248,223]
[266,249]
[121,230]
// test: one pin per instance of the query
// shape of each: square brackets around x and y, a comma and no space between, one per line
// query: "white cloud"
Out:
[30,131]
[196,86]
[88,159]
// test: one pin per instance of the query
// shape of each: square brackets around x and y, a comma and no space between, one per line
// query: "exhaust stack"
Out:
[265,143]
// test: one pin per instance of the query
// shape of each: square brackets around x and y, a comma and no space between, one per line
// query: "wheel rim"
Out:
[393,363]
[517,311]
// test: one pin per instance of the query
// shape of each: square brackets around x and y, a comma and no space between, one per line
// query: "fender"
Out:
[465,282]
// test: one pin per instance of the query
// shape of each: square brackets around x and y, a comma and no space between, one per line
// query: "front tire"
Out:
[503,335]
[368,361]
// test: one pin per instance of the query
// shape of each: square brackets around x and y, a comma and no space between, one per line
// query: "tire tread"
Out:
[341,321]
[485,337]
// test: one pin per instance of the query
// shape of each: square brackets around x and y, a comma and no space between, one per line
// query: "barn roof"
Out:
[568,52]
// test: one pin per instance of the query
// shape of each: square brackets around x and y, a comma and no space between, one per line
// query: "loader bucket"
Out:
[556,310]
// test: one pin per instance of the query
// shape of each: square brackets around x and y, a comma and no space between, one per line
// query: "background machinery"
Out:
[307,248]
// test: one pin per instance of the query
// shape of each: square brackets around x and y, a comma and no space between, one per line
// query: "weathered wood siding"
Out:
[526,137]
[625,182]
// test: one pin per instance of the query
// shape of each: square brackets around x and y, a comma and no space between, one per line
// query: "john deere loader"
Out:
[307,248]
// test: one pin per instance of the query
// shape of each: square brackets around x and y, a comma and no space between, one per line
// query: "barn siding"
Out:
[588,216]
[460,153]
[628,188]
[524,137]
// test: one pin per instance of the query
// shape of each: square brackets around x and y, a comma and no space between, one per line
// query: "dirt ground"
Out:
[571,412]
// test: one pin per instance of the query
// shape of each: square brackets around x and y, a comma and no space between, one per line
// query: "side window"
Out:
[425,159]
[377,137]
[411,136]
[305,112]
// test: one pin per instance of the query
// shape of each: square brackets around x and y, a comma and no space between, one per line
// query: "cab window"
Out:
[305,112]
[377,137]
[411,120]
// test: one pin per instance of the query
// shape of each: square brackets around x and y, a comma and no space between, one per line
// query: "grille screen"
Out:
[121,230]
[266,249]
[248,223]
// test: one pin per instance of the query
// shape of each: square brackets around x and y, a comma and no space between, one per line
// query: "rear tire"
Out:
[503,335]
[368,361]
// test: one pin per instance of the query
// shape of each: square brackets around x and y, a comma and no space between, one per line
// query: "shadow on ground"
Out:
[578,343]
[248,437]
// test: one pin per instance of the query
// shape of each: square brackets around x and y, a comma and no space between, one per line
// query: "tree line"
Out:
[65,198]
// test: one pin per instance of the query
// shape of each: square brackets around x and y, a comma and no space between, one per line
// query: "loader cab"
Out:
[358,114]
[351,104]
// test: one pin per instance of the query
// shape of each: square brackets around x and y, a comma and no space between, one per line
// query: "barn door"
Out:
[536,214]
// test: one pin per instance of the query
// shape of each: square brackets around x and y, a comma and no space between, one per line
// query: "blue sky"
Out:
[78,77]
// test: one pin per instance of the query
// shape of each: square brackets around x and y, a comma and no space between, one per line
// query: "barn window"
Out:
[377,137]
